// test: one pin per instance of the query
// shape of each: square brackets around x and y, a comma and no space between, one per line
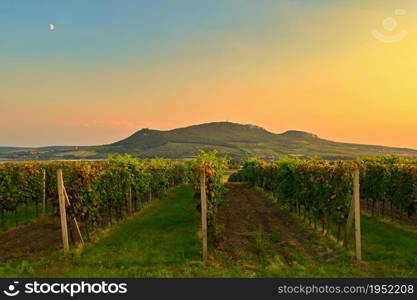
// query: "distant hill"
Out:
[234,140]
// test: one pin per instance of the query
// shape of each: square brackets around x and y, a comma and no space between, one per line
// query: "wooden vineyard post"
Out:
[43,192]
[356,194]
[204,213]
[129,200]
[61,198]
[74,218]
[349,221]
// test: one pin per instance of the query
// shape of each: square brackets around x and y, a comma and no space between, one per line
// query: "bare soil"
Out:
[43,236]
[249,219]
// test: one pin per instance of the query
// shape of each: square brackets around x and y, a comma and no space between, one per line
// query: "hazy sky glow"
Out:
[112,67]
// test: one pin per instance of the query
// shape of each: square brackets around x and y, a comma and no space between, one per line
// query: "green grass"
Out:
[154,244]
[23,217]
[390,250]
[162,241]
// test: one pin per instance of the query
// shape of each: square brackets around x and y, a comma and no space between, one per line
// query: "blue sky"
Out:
[113,67]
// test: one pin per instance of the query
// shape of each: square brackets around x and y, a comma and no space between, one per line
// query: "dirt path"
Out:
[251,222]
[40,237]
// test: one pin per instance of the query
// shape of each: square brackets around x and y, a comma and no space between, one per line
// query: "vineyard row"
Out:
[100,192]
[321,191]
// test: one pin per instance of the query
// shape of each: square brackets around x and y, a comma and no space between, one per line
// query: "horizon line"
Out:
[198,124]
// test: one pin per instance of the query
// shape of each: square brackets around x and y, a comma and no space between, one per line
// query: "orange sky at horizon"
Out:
[318,70]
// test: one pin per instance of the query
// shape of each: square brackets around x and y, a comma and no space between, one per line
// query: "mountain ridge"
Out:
[235,140]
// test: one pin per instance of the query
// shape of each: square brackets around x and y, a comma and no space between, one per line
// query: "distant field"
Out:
[80,154]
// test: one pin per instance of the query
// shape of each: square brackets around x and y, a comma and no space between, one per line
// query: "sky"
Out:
[344,70]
